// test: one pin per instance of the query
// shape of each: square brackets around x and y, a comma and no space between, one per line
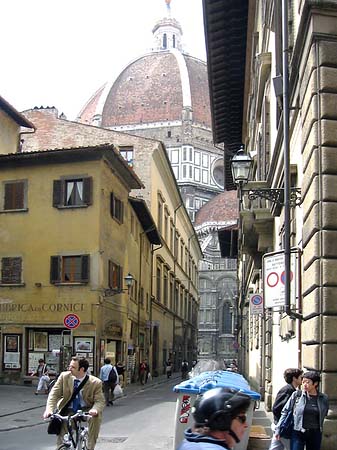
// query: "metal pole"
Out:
[286,153]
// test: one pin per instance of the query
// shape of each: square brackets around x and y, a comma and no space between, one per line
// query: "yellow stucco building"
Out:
[74,221]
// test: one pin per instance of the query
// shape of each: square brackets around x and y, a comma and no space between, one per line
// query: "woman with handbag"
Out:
[309,411]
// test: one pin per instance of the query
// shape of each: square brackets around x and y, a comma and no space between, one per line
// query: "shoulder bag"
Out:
[55,424]
[287,425]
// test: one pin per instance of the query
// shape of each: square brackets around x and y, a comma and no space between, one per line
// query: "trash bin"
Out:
[189,389]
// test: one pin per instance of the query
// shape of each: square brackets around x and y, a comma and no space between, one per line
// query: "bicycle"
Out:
[77,436]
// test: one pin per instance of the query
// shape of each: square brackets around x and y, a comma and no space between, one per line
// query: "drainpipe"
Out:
[286,158]
[175,282]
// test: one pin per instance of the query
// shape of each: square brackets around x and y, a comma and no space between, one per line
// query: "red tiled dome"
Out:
[223,207]
[154,88]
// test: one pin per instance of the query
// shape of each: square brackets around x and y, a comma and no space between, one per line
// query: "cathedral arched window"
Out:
[174,41]
[164,40]
[227,319]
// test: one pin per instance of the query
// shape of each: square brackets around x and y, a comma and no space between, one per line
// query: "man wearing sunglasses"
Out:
[220,420]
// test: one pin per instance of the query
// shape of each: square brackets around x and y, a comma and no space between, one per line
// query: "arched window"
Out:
[227,321]
[174,41]
[164,41]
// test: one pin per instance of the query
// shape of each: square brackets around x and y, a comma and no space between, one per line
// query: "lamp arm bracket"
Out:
[275,195]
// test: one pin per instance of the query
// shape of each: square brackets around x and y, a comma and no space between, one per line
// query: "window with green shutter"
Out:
[11,270]
[72,192]
[69,269]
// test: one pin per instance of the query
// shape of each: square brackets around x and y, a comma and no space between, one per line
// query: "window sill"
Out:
[77,283]
[6,211]
[4,285]
[71,206]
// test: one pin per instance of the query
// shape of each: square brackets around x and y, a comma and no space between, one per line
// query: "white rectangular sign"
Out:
[274,277]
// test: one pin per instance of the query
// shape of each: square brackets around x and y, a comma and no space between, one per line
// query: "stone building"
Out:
[305,332]
[218,319]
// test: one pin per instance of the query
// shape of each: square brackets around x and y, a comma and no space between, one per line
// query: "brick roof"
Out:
[223,207]
[150,90]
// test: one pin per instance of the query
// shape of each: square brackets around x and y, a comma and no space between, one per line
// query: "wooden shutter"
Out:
[57,193]
[87,190]
[14,195]
[11,270]
[112,204]
[85,269]
[55,269]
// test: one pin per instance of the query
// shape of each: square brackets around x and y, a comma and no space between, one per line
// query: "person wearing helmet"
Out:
[220,420]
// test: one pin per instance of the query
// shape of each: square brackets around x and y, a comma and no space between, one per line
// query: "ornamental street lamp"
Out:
[241,168]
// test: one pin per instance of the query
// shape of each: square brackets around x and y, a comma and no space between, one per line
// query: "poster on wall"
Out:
[84,347]
[40,341]
[33,361]
[54,342]
[12,352]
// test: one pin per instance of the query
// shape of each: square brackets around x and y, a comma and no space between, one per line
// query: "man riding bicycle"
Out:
[89,399]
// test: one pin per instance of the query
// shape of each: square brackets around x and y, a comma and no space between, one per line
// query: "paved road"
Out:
[145,418]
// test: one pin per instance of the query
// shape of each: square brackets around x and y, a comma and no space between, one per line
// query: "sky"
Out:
[59,53]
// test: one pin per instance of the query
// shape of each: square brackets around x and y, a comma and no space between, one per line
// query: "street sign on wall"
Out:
[256,304]
[71,321]
[274,278]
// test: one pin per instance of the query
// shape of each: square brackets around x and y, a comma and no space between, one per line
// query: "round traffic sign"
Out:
[283,277]
[71,321]
[256,299]
[272,279]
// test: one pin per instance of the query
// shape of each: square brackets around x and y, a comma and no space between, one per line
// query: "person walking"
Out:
[109,375]
[184,369]
[42,372]
[168,368]
[293,378]
[309,410]
[143,371]
[220,420]
[90,398]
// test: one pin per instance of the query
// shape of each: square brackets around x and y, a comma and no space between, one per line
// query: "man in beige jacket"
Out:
[91,398]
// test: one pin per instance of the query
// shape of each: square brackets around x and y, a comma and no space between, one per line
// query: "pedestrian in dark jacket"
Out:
[309,410]
[293,378]
[220,420]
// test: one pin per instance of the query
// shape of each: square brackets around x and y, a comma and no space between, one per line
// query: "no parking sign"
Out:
[71,321]
[274,278]
[256,304]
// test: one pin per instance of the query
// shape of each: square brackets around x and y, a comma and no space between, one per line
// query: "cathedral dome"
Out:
[222,208]
[162,87]
[156,87]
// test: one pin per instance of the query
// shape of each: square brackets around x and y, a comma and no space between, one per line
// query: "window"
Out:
[11,270]
[115,276]
[116,208]
[15,194]
[127,153]
[69,269]
[158,283]
[72,192]
[160,215]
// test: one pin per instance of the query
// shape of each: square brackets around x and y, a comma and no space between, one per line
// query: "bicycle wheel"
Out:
[83,441]
[65,447]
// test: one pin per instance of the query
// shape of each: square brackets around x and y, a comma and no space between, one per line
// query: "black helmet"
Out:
[217,408]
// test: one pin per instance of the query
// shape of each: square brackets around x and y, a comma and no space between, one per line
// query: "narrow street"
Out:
[143,419]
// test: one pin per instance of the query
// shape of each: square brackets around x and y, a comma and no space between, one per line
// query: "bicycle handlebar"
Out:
[79,415]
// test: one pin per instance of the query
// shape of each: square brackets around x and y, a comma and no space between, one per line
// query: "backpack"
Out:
[112,375]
